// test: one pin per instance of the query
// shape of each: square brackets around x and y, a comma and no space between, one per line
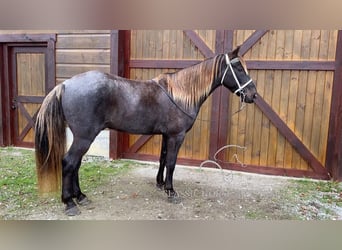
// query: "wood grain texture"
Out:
[294,76]
[77,52]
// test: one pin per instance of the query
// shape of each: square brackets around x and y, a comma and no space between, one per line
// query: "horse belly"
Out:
[136,122]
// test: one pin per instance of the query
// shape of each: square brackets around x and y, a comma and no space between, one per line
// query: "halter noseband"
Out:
[229,66]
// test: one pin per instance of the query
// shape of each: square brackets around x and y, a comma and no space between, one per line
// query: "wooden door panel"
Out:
[292,129]
[29,87]
[30,74]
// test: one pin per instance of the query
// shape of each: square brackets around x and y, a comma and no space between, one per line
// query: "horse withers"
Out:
[93,101]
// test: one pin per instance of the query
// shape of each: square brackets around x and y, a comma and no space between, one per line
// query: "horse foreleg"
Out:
[173,145]
[160,176]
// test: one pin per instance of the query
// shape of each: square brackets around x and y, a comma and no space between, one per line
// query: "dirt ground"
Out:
[208,194]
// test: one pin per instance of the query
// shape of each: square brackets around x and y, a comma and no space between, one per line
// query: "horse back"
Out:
[107,101]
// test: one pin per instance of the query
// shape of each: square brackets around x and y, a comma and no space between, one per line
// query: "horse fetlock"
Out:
[160,185]
[83,201]
[171,193]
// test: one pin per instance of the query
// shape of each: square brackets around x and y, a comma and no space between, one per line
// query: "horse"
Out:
[92,101]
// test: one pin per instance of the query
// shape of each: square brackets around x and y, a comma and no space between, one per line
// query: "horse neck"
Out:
[216,80]
[192,86]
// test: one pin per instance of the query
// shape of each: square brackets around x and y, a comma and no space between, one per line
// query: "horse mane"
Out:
[190,84]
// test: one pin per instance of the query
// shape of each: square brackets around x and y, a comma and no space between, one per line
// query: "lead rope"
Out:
[226,177]
[235,156]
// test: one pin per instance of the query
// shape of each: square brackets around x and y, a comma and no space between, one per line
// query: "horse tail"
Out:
[50,141]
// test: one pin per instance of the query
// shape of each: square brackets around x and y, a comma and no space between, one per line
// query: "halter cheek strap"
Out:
[229,66]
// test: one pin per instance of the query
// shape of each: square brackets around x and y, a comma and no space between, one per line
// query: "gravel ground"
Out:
[206,194]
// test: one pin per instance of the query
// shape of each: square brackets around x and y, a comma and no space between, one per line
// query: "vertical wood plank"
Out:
[309,108]
[291,115]
[325,115]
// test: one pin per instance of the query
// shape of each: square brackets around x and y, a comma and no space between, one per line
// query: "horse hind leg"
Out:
[70,180]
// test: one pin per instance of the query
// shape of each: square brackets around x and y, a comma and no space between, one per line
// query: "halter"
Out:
[229,66]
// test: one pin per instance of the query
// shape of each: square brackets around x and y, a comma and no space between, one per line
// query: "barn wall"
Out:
[80,51]
[77,50]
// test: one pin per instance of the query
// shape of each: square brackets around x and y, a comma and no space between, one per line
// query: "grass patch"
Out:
[324,191]
[18,182]
[316,199]
[99,172]
[17,177]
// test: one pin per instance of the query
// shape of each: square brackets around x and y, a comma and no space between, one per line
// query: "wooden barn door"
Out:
[28,80]
[286,131]
[28,76]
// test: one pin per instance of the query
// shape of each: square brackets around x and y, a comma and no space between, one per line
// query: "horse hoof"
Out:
[160,186]
[173,197]
[73,211]
[84,202]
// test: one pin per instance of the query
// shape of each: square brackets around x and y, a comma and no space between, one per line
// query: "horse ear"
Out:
[234,53]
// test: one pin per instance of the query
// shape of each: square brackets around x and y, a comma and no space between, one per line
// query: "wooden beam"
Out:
[1,98]
[219,115]
[25,114]
[215,104]
[19,38]
[291,136]
[199,43]
[269,170]
[162,64]
[334,146]
[119,56]
[50,63]
[139,143]
[30,99]
[5,85]
[291,65]
[224,98]
[114,51]
[253,39]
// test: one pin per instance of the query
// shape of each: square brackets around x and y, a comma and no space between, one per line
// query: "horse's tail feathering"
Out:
[50,141]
